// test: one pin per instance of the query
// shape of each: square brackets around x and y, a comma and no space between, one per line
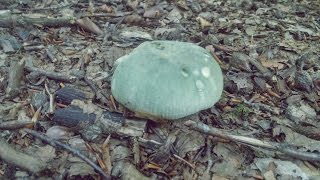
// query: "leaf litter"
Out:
[269,52]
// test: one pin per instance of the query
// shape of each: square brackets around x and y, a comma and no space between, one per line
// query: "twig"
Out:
[51,75]
[75,152]
[51,97]
[34,47]
[15,124]
[264,107]
[136,151]
[113,102]
[225,48]
[106,154]
[107,14]
[36,115]
[210,162]
[185,161]
[265,71]
[9,107]
[10,19]
[203,128]
[98,94]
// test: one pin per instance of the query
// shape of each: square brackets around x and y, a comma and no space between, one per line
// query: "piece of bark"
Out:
[309,131]
[73,117]
[19,159]
[132,127]
[15,77]
[67,94]
[108,122]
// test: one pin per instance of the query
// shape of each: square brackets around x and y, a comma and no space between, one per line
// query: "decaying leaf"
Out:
[285,169]
[274,63]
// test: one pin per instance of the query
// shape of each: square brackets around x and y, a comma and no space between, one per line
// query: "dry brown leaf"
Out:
[203,23]
[273,63]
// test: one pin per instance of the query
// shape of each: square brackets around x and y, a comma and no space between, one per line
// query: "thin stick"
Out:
[51,75]
[51,97]
[185,161]
[15,124]
[203,128]
[75,152]
[97,92]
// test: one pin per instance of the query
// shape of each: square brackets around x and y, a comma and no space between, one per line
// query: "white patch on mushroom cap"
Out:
[200,86]
[205,71]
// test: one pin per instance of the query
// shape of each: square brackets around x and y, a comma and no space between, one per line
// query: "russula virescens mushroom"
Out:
[167,80]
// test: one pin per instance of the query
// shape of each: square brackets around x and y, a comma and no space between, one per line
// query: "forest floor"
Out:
[265,126]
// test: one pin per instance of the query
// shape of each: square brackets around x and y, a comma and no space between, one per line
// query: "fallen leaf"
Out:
[273,63]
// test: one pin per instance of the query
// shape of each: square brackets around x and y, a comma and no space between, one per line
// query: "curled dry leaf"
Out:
[88,25]
[203,22]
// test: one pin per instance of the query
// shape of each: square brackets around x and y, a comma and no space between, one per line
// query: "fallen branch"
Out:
[19,159]
[51,75]
[15,124]
[203,128]
[75,152]
[10,19]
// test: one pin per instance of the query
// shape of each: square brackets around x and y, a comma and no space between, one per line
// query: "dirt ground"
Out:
[58,119]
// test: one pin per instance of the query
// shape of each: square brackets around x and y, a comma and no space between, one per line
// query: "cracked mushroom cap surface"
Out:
[167,79]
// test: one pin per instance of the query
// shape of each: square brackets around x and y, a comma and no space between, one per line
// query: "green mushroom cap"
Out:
[167,79]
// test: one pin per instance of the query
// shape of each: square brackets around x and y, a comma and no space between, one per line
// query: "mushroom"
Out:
[167,80]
